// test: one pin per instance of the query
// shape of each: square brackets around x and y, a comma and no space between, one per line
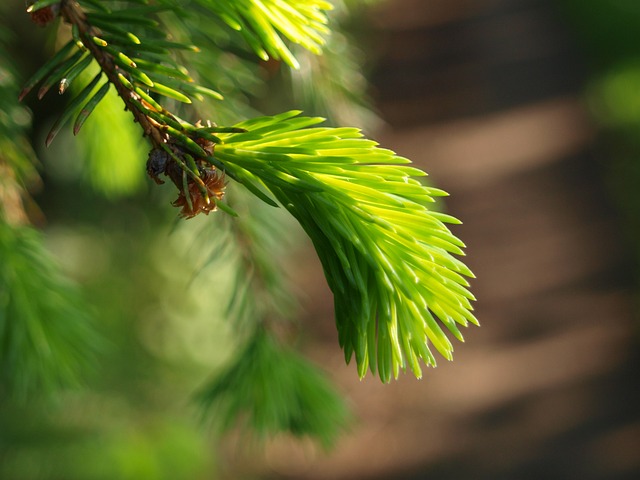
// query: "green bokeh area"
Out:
[161,449]
[135,417]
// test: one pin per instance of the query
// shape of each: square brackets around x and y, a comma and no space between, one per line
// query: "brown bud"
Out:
[44,16]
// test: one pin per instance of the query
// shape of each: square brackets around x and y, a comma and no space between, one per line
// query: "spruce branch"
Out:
[389,259]
[271,388]
[47,340]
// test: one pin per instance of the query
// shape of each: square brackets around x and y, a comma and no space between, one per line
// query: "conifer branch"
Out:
[270,388]
[389,259]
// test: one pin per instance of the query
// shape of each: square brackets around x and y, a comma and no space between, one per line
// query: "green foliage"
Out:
[334,85]
[260,22]
[129,63]
[45,336]
[388,256]
[228,67]
[265,387]
[272,389]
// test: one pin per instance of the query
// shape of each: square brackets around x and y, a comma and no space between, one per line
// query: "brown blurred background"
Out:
[488,96]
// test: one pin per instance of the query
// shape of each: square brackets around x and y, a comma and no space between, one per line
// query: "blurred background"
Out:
[528,113]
